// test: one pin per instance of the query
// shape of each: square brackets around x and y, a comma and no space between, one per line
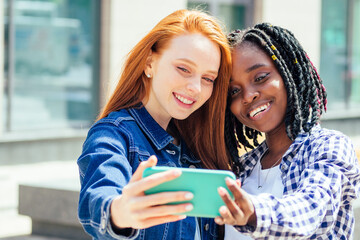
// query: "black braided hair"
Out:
[306,95]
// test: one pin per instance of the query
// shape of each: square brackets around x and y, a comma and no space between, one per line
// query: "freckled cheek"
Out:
[208,91]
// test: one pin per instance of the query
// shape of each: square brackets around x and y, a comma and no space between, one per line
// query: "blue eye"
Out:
[209,80]
[183,69]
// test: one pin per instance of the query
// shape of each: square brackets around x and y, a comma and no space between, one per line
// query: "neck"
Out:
[162,119]
[278,143]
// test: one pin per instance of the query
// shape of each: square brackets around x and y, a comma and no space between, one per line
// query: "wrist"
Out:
[115,217]
[127,232]
[252,221]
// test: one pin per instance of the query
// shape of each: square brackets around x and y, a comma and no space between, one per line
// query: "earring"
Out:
[148,75]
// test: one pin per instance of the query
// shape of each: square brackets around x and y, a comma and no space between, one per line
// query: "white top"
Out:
[197,231]
[270,181]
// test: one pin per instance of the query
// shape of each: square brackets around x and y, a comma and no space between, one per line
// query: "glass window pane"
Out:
[54,60]
[355,65]
[340,53]
[333,51]
[5,75]
[198,5]
[233,16]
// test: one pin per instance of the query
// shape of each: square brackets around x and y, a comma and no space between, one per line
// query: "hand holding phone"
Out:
[133,209]
[203,183]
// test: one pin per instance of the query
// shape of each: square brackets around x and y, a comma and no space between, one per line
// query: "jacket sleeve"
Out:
[104,170]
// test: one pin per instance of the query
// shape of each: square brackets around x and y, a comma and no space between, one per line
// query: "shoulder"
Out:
[115,118]
[330,144]
[249,159]
[327,137]
[256,153]
[116,125]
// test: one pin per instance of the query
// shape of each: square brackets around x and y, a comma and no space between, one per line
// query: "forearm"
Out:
[311,209]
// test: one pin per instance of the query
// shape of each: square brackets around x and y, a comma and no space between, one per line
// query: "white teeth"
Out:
[183,100]
[259,109]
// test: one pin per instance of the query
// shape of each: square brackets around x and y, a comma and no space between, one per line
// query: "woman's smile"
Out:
[259,111]
[183,100]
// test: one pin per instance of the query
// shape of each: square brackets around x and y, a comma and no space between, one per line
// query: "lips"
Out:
[184,99]
[258,110]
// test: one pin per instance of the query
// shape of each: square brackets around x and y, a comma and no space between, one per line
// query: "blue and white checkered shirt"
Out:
[321,178]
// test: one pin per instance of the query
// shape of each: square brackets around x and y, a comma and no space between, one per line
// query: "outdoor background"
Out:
[60,60]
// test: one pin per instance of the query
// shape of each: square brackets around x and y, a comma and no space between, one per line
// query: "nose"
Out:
[194,85]
[250,95]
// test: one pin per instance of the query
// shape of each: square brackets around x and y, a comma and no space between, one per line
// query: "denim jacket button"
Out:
[192,166]
[172,152]
[103,223]
[206,227]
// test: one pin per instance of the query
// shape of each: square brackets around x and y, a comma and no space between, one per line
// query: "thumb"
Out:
[145,164]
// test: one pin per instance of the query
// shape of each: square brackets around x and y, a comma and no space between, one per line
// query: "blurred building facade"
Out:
[61,58]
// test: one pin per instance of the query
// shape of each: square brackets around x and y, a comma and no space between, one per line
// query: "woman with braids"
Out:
[171,95]
[301,181]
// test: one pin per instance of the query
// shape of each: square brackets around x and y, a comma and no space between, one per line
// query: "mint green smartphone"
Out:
[203,183]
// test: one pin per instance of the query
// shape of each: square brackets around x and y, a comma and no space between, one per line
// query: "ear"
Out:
[149,65]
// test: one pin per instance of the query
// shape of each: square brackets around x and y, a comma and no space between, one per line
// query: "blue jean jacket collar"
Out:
[158,136]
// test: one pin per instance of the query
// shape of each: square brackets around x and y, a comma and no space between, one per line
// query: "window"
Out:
[235,14]
[51,64]
[340,55]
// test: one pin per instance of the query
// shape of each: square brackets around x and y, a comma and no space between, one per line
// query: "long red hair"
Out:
[203,130]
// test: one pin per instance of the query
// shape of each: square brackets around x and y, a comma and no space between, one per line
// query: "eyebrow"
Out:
[252,68]
[194,64]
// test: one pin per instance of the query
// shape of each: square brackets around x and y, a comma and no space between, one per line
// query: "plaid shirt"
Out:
[321,178]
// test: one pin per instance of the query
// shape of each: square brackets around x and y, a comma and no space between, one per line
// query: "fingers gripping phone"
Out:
[203,183]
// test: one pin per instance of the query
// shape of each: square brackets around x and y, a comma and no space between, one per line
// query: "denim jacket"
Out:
[112,151]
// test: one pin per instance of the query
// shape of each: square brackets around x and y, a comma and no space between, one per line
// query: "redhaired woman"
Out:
[170,97]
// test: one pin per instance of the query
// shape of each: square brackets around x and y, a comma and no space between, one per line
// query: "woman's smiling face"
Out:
[258,94]
[183,77]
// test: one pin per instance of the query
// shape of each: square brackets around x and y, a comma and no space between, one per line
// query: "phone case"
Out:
[203,183]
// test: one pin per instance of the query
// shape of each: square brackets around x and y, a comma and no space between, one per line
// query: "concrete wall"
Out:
[42,149]
[129,21]
[303,18]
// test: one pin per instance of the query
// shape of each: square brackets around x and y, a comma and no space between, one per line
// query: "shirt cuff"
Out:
[127,233]
[263,219]
[106,225]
